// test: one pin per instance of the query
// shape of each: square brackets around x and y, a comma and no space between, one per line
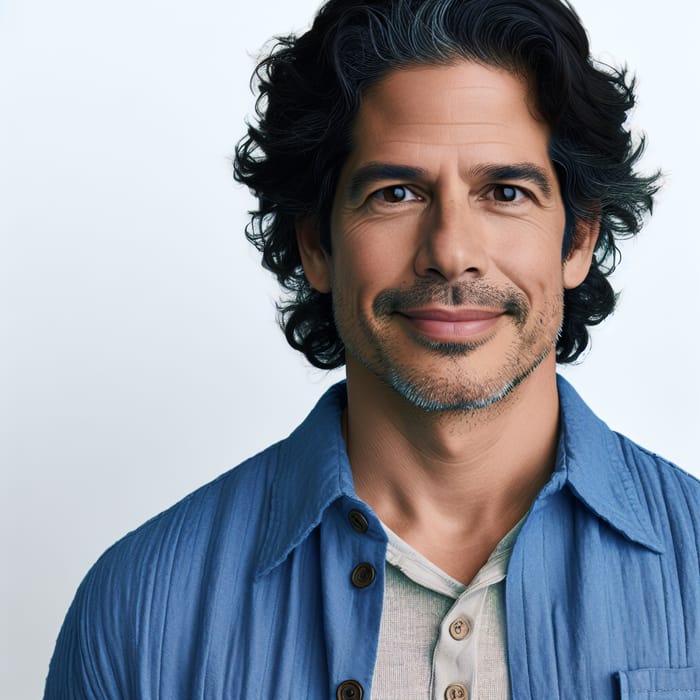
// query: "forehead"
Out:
[460,104]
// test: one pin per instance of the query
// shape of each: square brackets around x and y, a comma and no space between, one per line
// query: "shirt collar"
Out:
[313,471]
[590,459]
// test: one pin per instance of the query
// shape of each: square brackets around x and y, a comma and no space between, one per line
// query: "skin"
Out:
[447,282]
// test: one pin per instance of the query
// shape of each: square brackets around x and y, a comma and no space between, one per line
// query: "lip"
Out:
[452,324]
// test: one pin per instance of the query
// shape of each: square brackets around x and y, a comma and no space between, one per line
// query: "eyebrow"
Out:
[377,172]
[529,172]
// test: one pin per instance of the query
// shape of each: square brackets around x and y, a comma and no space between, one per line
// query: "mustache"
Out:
[424,292]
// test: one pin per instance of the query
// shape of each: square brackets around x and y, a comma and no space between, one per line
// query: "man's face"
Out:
[446,231]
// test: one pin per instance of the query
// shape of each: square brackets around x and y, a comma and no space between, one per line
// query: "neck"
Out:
[460,477]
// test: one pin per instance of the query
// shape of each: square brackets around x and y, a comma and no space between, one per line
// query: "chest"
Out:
[584,611]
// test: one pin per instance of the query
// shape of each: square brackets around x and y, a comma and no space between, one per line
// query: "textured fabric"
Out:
[418,657]
[410,616]
[244,589]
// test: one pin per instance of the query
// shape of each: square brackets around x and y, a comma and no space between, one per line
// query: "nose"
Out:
[452,241]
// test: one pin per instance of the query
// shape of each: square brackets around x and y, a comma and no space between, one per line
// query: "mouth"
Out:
[452,324]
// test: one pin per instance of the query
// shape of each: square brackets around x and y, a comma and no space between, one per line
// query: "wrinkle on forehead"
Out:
[473,86]
[465,103]
[455,83]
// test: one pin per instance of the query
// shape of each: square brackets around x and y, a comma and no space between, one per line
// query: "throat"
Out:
[460,555]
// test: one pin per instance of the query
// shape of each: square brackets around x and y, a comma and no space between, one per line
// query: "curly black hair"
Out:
[309,93]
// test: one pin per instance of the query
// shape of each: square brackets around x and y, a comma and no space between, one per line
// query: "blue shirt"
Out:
[268,582]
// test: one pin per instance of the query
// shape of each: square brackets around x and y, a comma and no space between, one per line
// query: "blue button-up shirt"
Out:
[244,589]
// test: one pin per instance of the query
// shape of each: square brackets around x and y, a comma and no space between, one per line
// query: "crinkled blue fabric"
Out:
[243,589]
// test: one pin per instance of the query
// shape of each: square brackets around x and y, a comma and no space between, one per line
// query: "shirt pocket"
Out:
[660,684]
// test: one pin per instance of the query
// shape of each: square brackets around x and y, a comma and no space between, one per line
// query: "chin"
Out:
[458,394]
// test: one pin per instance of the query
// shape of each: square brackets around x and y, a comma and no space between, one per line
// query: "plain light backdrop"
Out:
[139,352]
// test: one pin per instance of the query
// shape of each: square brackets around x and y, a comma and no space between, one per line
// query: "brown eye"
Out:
[506,193]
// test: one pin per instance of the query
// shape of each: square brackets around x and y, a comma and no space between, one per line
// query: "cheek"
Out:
[536,271]
[354,280]
[367,262]
[529,255]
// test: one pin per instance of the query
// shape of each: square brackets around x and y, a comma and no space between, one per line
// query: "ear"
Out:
[314,258]
[578,260]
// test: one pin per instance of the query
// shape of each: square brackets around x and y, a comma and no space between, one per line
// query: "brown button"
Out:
[456,691]
[460,628]
[358,521]
[362,575]
[349,690]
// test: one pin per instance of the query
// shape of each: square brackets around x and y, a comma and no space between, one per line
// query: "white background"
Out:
[139,355]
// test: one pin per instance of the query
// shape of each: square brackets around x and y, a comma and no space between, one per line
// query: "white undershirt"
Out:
[420,656]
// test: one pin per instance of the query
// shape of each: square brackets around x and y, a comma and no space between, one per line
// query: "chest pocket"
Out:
[660,684]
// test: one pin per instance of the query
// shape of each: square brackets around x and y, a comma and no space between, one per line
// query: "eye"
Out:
[394,194]
[507,193]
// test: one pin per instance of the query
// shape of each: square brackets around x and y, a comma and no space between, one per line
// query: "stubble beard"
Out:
[461,391]
[433,396]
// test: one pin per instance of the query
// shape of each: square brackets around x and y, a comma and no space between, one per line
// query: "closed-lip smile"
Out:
[452,323]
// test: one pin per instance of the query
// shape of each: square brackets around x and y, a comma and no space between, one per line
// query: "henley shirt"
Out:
[439,637]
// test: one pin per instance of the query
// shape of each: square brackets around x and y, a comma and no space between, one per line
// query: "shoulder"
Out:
[191,571]
[616,473]
[161,573]
[216,515]
[666,490]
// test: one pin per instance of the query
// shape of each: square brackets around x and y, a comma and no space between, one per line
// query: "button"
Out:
[349,690]
[460,628]
[362,575]
[358,521]
[456,691]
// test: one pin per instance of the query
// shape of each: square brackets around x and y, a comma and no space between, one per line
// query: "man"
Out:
[441,184]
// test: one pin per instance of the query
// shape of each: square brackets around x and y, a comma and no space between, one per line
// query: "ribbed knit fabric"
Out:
[419,657]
